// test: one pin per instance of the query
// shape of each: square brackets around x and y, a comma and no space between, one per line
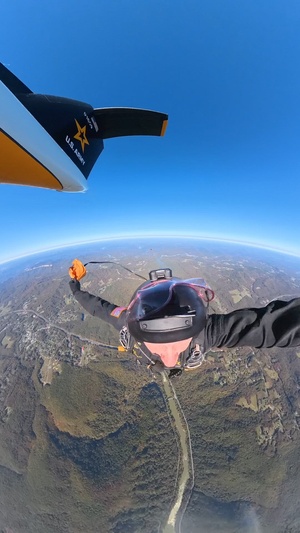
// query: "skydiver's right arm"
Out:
[276,324]
[96,306]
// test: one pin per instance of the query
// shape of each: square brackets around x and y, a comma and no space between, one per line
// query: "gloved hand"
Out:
[77,270]
[175,373]
[157,368]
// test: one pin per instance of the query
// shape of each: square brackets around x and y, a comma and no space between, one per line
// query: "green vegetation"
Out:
[133,469]
[230,466]
[84,402]
[80,479]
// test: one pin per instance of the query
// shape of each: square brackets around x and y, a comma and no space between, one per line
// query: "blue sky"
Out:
[226,72]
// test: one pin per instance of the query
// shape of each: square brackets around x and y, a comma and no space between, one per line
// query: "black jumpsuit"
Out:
[276,324]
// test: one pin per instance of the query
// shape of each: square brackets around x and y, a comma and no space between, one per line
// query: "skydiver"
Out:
[167,325]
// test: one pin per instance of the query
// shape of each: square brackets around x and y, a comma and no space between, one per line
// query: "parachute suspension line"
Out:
[117,264]
[147,357]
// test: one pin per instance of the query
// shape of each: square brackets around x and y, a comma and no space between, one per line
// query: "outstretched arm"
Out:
[276,324]
[96,306]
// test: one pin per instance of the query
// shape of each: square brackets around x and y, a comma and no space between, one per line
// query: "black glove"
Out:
[157,368]
[175,373]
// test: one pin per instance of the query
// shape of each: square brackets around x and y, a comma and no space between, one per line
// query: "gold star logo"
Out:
[81,135]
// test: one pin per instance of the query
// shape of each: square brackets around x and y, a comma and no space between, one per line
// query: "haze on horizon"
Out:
[142,238]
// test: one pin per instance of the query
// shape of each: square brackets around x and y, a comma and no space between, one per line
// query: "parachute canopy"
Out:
[54,142]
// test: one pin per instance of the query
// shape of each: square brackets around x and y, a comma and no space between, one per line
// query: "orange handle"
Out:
[77,270]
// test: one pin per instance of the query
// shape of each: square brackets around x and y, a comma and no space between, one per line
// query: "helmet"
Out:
[168,310]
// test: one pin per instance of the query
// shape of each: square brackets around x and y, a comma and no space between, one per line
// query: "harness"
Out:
[141,352]
[130,345]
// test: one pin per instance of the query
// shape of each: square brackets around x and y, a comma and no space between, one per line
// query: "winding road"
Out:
[185,479]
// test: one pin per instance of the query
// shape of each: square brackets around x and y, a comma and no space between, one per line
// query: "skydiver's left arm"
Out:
[276,324]
[97,306]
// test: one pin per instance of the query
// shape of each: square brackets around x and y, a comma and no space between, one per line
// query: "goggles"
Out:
[155,295]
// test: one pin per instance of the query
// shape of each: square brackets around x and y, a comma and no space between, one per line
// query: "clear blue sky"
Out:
[226,72]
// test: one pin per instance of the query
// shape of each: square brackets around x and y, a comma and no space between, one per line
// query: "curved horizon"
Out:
[125,237]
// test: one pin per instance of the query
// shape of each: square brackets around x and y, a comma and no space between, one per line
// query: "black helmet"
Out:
[168,310]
